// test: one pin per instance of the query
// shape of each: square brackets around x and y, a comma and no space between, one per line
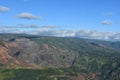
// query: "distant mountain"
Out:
[93,59]
[110,44]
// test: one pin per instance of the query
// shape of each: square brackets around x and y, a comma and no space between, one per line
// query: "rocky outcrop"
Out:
[10,61]
[6,59]
[29,52]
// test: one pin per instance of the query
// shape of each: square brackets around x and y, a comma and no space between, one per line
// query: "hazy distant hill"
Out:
[110,44]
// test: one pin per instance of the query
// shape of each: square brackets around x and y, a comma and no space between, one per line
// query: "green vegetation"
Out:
[109,71]
[36,74]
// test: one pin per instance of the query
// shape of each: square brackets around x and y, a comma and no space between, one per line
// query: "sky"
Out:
[95,19]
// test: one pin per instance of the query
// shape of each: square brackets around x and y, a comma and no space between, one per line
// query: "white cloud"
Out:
[27,26]
[91,34]
[27,16]
[106,22]
[64,33]
[4,9]
[56,31]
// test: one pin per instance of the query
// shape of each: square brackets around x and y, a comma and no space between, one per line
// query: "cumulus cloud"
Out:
[92,34]
[27,26]
[106,22]
[27,16]
[4,9]
[87,34]
[56,31]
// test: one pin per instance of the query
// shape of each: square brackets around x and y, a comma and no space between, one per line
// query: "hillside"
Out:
[68,58]
[110,44]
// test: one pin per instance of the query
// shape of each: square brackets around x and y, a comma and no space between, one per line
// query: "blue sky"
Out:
[95,15]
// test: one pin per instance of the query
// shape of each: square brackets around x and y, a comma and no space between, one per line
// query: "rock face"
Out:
[29,52]
[6,59]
